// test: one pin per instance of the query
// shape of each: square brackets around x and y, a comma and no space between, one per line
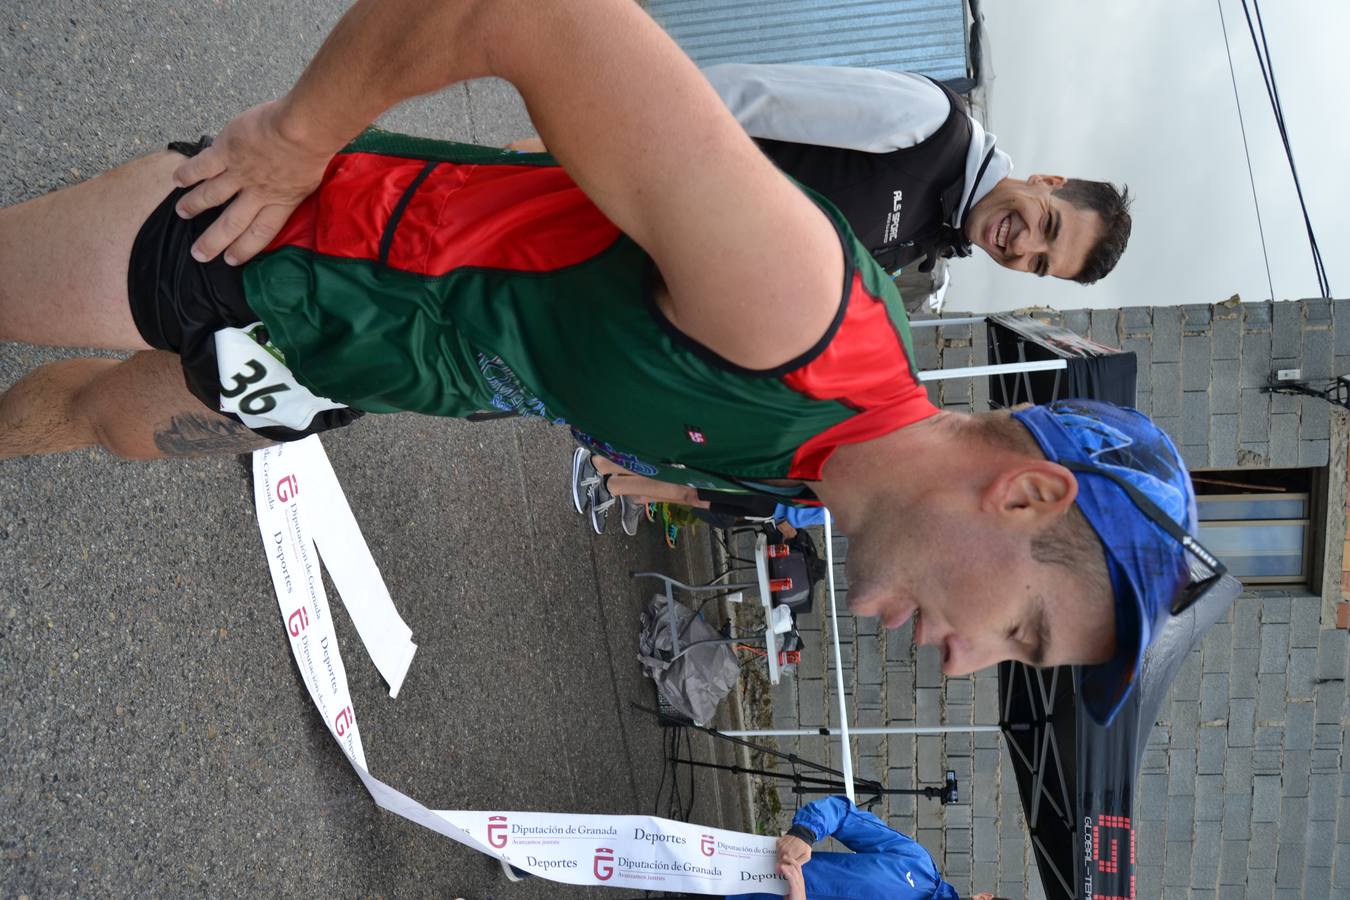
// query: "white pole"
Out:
[838,663]
[1041,365]
[891,729]
[938,323]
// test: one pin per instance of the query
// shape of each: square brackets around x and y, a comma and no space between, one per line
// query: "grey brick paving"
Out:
[1241,716]
[1274,648]
[1254,416]
[1139,320]
[1276,607]
[1224,387]
[1166,334]
[1317,359]
[1331,655]
[1205,855]
[1214,697]
[1313,453]
[1196,317]
[1265,798]
[1315,422]
[1260,884]
[1302,666]
[1233,857]
[1195,362]
[1105,326]
[1255,359]
[1284,444]
[1210,748]
[1217,648]
[1317,883]
[1286,332]
[1226,338]
[1299,726]
[1177,868]
[1316,312]
[1186,685]
[1289,869]
[1195,414]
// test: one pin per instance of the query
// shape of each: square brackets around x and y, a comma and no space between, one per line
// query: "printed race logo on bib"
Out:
[256,386]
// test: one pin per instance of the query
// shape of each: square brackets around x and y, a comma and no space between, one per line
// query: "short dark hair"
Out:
[1070,542]
[1113,206]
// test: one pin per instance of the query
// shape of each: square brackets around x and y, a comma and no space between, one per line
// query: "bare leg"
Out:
[64,256]
[528,145]
[138,409]
[623,483]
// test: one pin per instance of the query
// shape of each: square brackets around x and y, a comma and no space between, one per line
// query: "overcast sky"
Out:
[1139,92]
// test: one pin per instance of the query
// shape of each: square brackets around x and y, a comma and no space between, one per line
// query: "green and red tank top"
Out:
[446,279]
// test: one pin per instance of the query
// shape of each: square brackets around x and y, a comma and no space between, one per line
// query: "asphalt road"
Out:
[154,735]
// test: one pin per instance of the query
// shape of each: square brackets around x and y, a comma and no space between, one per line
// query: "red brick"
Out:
[1343,615]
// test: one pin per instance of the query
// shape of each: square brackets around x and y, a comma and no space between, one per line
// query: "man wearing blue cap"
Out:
[405,274]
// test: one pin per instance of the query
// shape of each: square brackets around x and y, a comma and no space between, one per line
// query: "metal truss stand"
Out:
[828,781]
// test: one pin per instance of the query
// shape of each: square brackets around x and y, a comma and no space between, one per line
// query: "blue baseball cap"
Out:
[1148,567]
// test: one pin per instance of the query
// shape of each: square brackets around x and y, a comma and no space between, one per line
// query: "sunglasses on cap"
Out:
[1206,569]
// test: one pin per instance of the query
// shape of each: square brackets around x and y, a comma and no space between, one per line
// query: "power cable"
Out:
[1267,65]
[1251,177]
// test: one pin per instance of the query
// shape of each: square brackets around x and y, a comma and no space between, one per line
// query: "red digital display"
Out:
[1110,874]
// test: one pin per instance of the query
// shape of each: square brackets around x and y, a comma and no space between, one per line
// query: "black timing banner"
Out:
[1077,779]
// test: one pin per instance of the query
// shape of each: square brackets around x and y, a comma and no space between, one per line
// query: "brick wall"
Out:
[1201,368]
[1244,791]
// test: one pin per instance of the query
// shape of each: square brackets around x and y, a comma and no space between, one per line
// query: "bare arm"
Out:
[753,269]
[527,145]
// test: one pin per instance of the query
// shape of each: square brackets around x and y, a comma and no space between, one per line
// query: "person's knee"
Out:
[95,408]
[122,443]
[118,438]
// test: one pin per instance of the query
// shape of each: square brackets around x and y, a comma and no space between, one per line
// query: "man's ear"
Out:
[1031,491]
[1054,182]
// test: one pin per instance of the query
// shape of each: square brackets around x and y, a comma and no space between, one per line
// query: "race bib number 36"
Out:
[256,386]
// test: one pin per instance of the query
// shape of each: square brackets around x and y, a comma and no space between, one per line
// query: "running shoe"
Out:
[512,873]
[651,511]
[600,501]
[583,476]
[630,515]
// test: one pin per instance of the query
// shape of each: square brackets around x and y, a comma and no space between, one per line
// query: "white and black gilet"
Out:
[899,203]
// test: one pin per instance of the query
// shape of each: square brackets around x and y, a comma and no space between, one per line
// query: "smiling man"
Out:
[916,175]
[303,271]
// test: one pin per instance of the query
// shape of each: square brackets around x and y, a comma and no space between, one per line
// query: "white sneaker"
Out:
[583,476]
[630,514]
[601,502]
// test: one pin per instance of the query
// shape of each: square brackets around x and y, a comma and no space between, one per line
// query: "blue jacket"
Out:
[800,516]
[884,864]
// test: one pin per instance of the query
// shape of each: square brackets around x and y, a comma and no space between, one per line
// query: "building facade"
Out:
[1244,791]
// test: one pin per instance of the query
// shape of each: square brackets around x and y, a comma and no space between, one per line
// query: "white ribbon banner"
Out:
[302,515]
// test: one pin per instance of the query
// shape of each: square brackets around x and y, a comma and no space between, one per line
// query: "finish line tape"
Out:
[303,516]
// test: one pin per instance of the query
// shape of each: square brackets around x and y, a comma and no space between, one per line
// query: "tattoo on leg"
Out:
[196,435]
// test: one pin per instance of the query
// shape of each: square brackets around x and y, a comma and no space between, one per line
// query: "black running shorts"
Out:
[178,304]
